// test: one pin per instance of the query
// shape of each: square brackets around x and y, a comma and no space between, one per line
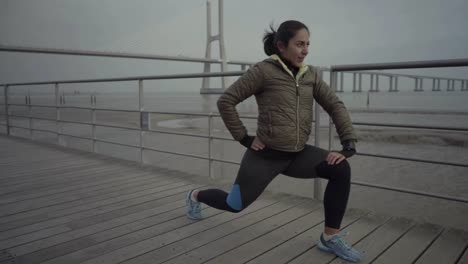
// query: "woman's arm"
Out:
[248,84]
[324,95]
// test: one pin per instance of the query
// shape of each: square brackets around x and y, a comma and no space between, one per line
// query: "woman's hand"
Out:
[257,144]
[335,158]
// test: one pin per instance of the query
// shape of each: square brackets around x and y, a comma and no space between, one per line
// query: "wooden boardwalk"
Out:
[65,206]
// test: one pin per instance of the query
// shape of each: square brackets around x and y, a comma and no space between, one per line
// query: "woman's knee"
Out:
[234,199]
[340,171]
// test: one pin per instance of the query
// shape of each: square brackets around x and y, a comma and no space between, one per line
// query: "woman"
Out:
[284,88]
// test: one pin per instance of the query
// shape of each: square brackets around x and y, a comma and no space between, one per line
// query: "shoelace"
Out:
[340,240]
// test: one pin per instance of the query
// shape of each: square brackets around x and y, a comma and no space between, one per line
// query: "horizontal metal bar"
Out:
[384,187]
[401,65]
[184,113]
[412,159]
[137,78]
[404,75]
[177,153]
[411,126]
[179,134]
[8,48]
[102,54]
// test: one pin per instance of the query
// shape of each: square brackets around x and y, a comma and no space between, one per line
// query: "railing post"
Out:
[354,82]
[396,84]
[377,82]
[7,119]
[317,183]
[140,109]
[58,102]
[210,143]
[93,117]
[390,83]
[341,81]
[28,101]
[372,82]
[360,82]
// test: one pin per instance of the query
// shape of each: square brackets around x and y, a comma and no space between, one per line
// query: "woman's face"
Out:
[297,48]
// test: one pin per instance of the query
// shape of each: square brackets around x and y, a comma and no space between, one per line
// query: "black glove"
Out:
[349,148]
[247,141]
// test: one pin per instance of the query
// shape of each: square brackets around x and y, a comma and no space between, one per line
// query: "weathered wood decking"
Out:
[64,206]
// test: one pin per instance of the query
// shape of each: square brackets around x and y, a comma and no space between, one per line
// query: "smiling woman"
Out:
[294,32]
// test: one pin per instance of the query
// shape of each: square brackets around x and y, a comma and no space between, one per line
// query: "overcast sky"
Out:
[342,32]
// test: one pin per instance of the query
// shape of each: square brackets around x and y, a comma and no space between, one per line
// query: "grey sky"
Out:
[342,32]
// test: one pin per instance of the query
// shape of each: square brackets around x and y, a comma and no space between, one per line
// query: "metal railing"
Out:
[60,105]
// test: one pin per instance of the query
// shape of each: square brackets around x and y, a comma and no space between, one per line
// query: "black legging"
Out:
[259,168]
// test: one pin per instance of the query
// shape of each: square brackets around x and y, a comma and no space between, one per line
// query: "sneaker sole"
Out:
[329,250]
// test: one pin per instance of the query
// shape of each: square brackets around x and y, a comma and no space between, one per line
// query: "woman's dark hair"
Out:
[286,31]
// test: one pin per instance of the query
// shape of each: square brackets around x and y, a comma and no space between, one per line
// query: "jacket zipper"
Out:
[297,114]
[297,105]
[297,110]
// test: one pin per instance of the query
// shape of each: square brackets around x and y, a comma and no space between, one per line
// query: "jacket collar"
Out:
[301,71]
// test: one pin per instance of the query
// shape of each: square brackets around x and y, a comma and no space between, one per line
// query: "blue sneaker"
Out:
[338,246]
[193,208]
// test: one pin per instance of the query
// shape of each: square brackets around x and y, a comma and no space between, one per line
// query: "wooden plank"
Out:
[120,219]
[32,204]
[357,231]
[17,174]
[379,240]
[55,230]
[227,243]
[72,210]
[95,185]
[33,177]
[446,249]
[98,183]
[39,226]
[411,245]
[158,215]
[75,177]
[303,242]
[15,208]
[156,236]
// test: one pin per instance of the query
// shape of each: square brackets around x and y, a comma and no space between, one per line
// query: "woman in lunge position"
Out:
[284,88]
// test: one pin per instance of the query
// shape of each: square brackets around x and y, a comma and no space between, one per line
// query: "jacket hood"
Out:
[275,58]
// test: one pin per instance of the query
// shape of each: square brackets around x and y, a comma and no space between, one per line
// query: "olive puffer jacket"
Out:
[285,104]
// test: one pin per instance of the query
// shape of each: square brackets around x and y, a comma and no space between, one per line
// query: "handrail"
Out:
[401,65]
[111,54]
[136,78]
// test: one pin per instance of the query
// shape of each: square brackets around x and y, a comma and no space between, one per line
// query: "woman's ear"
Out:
[281,46]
